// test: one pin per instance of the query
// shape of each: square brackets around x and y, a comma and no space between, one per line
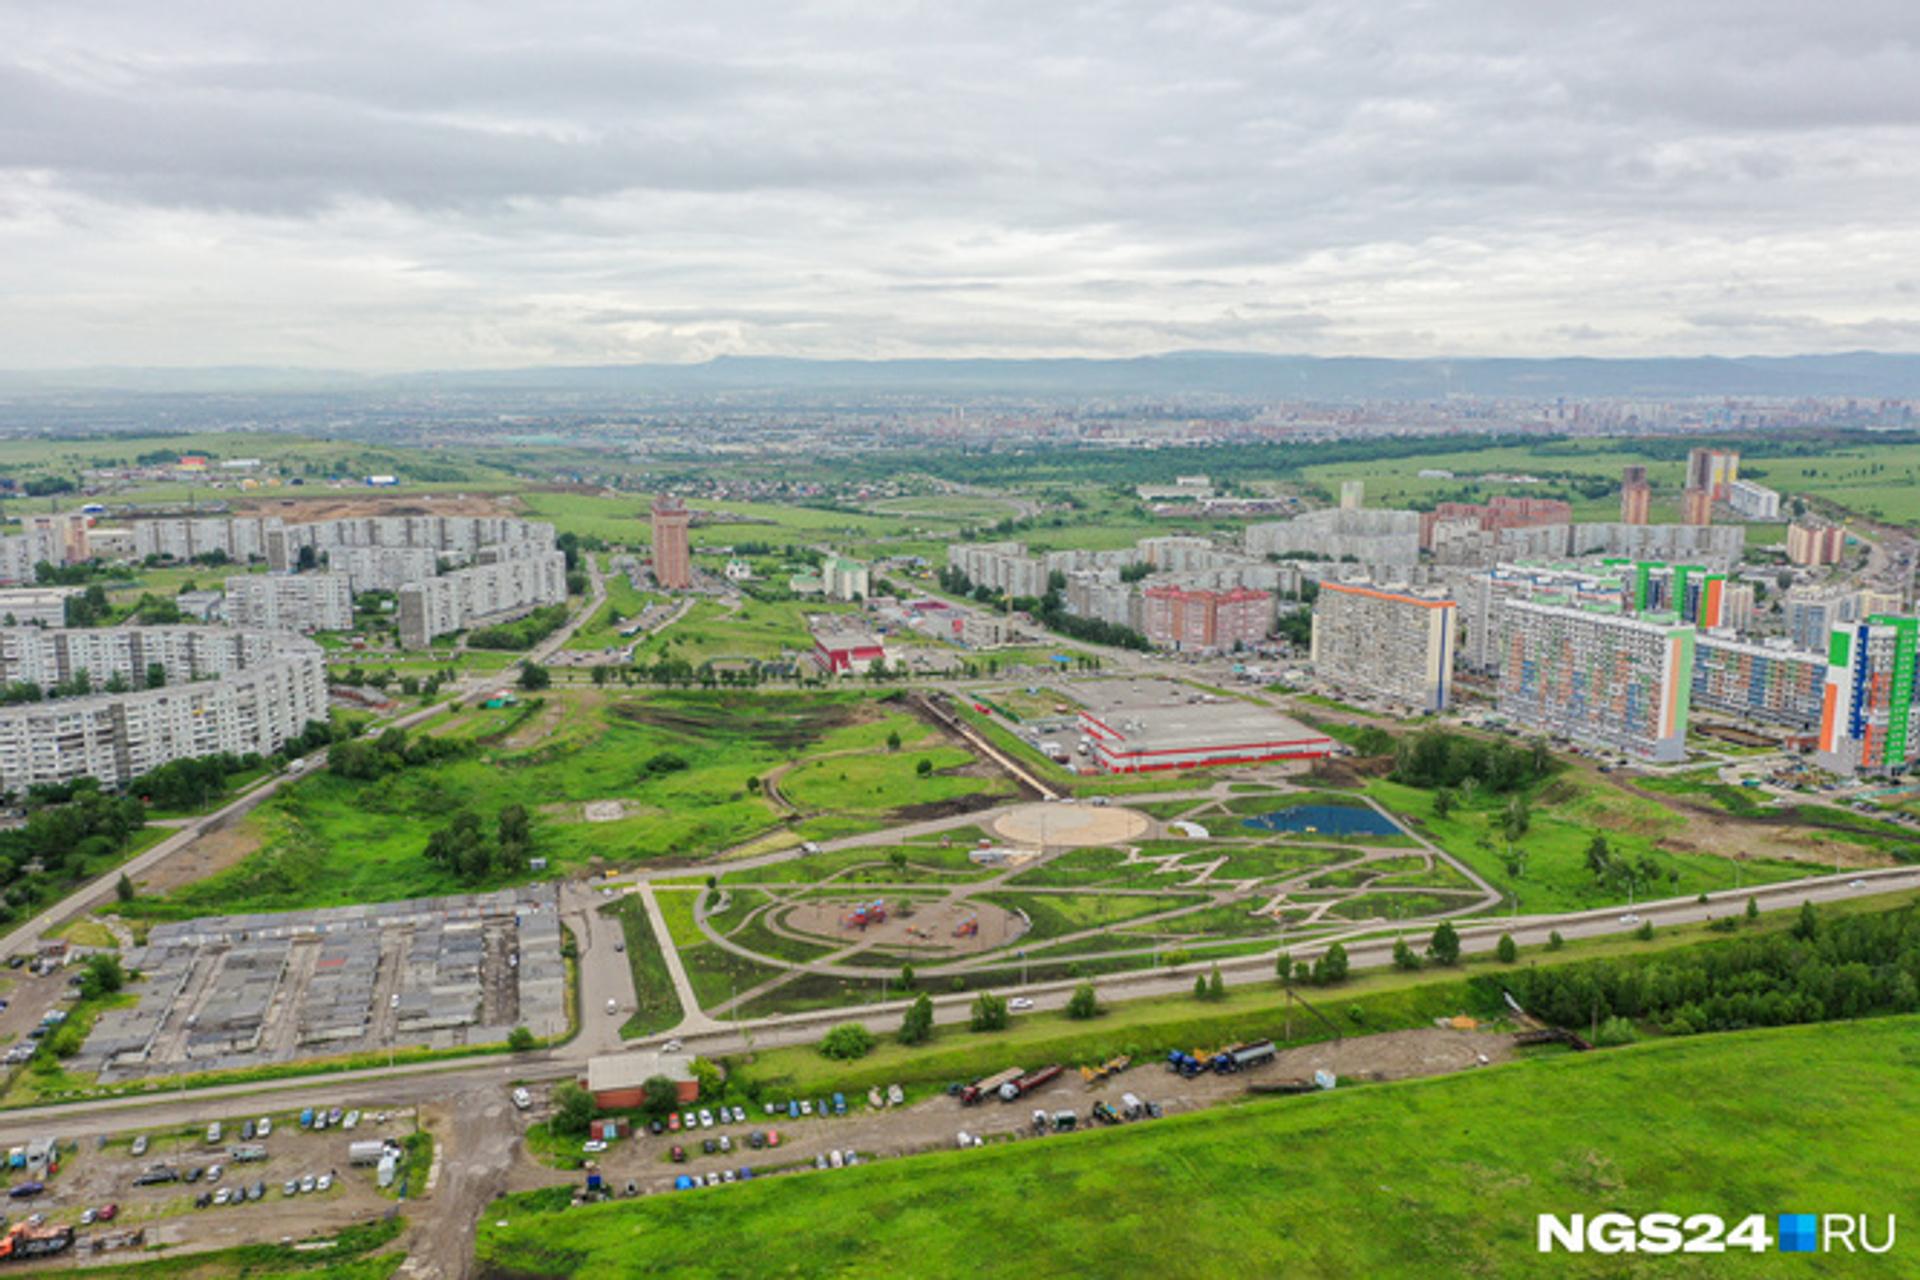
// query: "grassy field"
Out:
[678,762]
[1567,812]
[656,1004]
[1416,1179]
[602,630]
[758,629]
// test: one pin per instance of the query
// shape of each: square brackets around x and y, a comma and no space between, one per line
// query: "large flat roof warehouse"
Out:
[1139,725]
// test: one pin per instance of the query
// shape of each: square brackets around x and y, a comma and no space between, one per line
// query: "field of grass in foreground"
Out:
[1440,1177]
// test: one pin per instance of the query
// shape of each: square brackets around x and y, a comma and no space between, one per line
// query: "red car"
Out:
[673,1122]
[773,1137]
[108,1212]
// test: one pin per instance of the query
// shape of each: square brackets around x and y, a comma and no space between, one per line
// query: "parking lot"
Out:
[175,1187]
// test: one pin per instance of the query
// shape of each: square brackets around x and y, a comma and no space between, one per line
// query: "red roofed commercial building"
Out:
[1179,618]
[843,645]
[1152,725]
[1501,512]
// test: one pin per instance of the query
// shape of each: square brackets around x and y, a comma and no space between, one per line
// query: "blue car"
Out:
[839,1104]
[683,1183]
[793,1110]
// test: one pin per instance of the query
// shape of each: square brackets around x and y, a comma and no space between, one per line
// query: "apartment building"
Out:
[35,606]
[1813,543]
[1387,642]
[1753,501]
[1000,566]
[1773,683]
[1636,495]
[385,568]
[1480,595]
[1713,471]
[305,602]
[1867,707]
[1206,620]
[672,554]
[1716,545]
[843,578]
[1598,678]
[1813,612]
[225,691]
[1503,511]
[1373,536]
[479,596]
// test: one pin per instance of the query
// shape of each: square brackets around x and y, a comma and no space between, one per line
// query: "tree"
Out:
[659,1095]
[1505,951]
[1599,856]
[1404,956]
[1084,1003]
[989,1013]
[1445,945]
[893,740]
[1216,986]
[1199,986]
[601,675]
[906,977]
[123,888]
[102,977]
[520,1040]
[534,677]
[1808,924]
[1753,911]
[573,1109]
[1283,968]
[846,1042]
[514,833]
[1331,968]
[924,768]
[1645,932]
[1443,802]
[917,1026]
[1555,941]
[709,1075]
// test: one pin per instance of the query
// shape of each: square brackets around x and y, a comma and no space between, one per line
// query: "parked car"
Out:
[522,1099]
[896,1095]
[773,1137]
[806,1106]
[353,1119]
[108,1212]
[246,1132]
[265,1126]
[195,1174]
[706,1118]
[656,1126]
[679,1154]
[739,1115]
[334,1116]
[308,1183]
[258,1191]
[709,1146]
[593,1146]
[690,1120]
[324,1181]
[726,1142]
[291,1187]
[203,1200]
[1019,1002]
[756,1140]
[683,1183]
[673,1122]
[86,1217]
[713,1179]
[222,1196]
[214,1171]
[839,1104]
[213,1133]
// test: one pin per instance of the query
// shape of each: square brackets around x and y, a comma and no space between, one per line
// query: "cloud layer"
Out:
[400,186]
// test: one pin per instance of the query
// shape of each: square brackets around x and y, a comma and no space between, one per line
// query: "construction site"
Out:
[226,992]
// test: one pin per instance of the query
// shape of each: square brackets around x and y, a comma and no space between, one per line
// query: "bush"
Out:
[1404,956]
[710,1076]
[573,1109]
[1645,931]
[1555,941]
[1331,968]
[1615,1031]
[917,1026]
[1505,951]
[989,1013]
[1445,946]
[520,1040]
[661,1095]
[1084,1003]
[846,1042]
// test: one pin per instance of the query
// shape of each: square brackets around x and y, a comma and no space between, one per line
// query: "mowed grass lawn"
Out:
[758,629]
[888,781]
[331,840]
[1418,1179]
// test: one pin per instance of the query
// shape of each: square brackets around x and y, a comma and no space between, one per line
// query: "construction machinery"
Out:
[989,1085]
[1105,1114]
[23,1241]
[1111,1067]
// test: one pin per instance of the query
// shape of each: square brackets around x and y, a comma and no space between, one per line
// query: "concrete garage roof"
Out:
[631,1070]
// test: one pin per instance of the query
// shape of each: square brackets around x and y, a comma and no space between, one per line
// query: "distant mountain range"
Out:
[1238,375]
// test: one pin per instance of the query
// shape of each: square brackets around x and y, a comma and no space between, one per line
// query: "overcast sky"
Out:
[408,185]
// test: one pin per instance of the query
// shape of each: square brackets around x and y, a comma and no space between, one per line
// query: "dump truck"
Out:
[991,1084]
[1240,1057]
[1112,1066]
[23,1241]
[1013,1090]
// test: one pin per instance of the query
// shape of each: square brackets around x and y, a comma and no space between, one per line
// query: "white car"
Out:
[1629,918]
[308,1183]
[612,1007]
[706,1118]
[264,1128]
[671,1046]
[896,1095]
[689,1121]
[322,1182]
[1019,1002]
[352,1120]
[739,1115]
[1856,884]
[593,1146]
[522,1099]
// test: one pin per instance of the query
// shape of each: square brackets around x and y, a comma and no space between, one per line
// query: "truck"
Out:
[1013,1090]
[23,1241]
[365,1152]
[1253,1054]
[991,1084]
[246,1154]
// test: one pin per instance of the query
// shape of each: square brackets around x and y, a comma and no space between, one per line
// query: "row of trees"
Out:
[369,759]
[1821,969]
[521,633]
[1435,758]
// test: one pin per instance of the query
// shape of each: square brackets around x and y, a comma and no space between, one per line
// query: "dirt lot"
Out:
[306,509]
[935,1123]
[214,851]
[96,1174]
[1067,826]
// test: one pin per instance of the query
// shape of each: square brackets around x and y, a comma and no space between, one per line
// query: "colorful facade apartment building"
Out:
[1387,642]
[1770,683]
[1868,703]
[1598,678]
